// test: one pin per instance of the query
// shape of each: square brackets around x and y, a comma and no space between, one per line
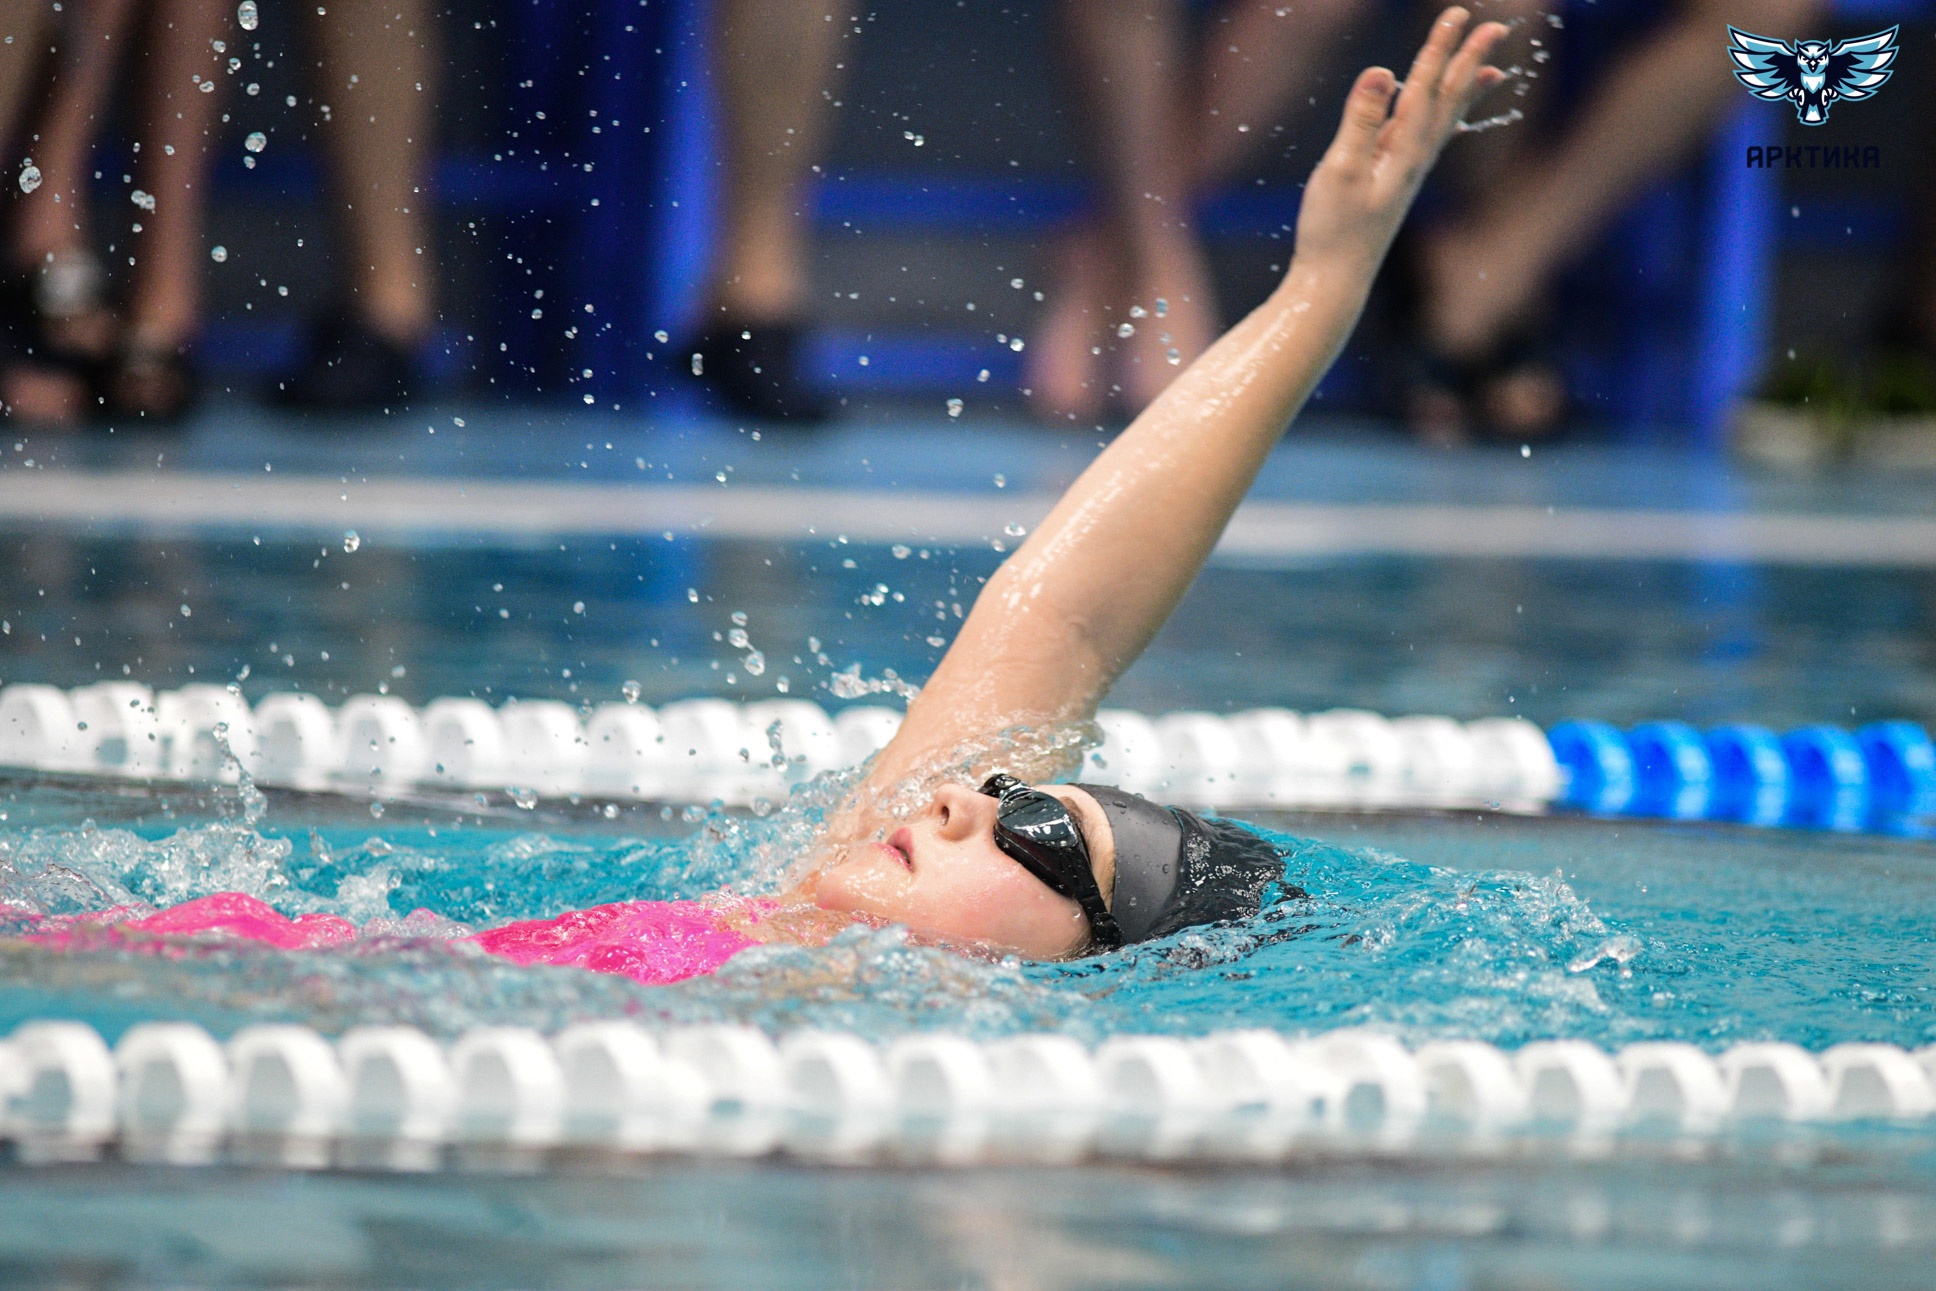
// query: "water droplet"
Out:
[863,360]
[376,809]
[1162,307]
[737,638]
[247,15]
[577,607]
[525,798]
[350,540]
[1014,530]
[218,254]
[256,141]
[1126,329]
[1137,311]
[1174,357]
[146,201]
[1525,450]
[631,690]
[1015,283]
[1001,481]
[1015,343]
[954,407]
[661,336]
[755,663]
[901,551]
[186,612]
[29,177]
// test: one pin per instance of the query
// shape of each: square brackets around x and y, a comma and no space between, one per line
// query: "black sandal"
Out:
[758,370]
[37,305]
[1450,400]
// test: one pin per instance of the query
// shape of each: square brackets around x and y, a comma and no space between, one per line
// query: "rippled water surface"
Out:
[1492,927]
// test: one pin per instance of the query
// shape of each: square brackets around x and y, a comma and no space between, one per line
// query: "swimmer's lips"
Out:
[901,848]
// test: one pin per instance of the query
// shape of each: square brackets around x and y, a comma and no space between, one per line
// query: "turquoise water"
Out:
[1491,927]
[1498,928]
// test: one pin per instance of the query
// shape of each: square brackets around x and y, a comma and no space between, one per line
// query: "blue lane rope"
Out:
[1879,778]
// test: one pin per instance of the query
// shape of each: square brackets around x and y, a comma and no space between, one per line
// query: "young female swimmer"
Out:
[1057,870]
[1038,869]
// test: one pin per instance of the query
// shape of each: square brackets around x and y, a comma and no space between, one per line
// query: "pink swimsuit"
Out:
[654,942]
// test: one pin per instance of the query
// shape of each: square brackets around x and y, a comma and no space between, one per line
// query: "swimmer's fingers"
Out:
[1448,74]
[1468,75]
[1429,66]
[1366,111]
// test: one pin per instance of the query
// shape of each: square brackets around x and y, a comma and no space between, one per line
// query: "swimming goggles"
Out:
[1039,832]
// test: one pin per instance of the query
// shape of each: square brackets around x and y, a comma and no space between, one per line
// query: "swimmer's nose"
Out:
[961,812]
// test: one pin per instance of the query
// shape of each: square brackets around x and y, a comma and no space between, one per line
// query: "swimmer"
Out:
[959,831]
[1055,871]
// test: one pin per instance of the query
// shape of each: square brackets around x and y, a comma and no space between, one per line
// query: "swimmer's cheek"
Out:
[863,885]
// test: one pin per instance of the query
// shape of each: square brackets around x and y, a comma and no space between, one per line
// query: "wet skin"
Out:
[942,875]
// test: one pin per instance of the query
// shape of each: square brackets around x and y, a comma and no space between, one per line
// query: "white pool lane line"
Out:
[1262,532]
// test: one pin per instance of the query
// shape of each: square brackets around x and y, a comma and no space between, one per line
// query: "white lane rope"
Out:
[707,750]
[391,1097]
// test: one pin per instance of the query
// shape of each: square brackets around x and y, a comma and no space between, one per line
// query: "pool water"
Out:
[1468,925]
[1625,641]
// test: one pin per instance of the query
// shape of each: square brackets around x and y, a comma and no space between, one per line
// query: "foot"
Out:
[350,368]
[36,394]
[1479,316]
[150,380]
[1064,370]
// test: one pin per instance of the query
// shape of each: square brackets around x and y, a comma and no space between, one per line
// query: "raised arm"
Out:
[1078,602]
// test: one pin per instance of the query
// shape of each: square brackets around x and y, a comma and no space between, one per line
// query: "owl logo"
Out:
[1812,74]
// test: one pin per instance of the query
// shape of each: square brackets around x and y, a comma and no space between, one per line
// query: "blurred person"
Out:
[375,86]
[1474,288]
[777,68]
[26,35]
[80,353]
[1486,274]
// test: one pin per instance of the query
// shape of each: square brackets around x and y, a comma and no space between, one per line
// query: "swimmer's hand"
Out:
[1359,193]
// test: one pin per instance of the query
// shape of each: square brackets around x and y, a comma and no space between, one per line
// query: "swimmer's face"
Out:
[942,874]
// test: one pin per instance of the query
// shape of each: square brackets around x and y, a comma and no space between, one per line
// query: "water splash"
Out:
[1491,123]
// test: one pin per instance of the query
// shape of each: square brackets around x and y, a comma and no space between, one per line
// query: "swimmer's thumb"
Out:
[1365,111]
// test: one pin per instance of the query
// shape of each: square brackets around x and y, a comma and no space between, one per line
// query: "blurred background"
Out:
[265,259]
[562,184]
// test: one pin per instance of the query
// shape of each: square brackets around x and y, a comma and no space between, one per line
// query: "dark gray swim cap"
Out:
[1175,869]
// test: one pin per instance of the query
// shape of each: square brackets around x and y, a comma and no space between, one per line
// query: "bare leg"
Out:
[1260,61]
[1129,58]
[377,72]
[56,216]
[52,226]
[177,124]
[24,35]
[777,71]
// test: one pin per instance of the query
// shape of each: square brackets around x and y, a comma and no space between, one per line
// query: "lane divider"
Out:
[1880,776]
[507,1097]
